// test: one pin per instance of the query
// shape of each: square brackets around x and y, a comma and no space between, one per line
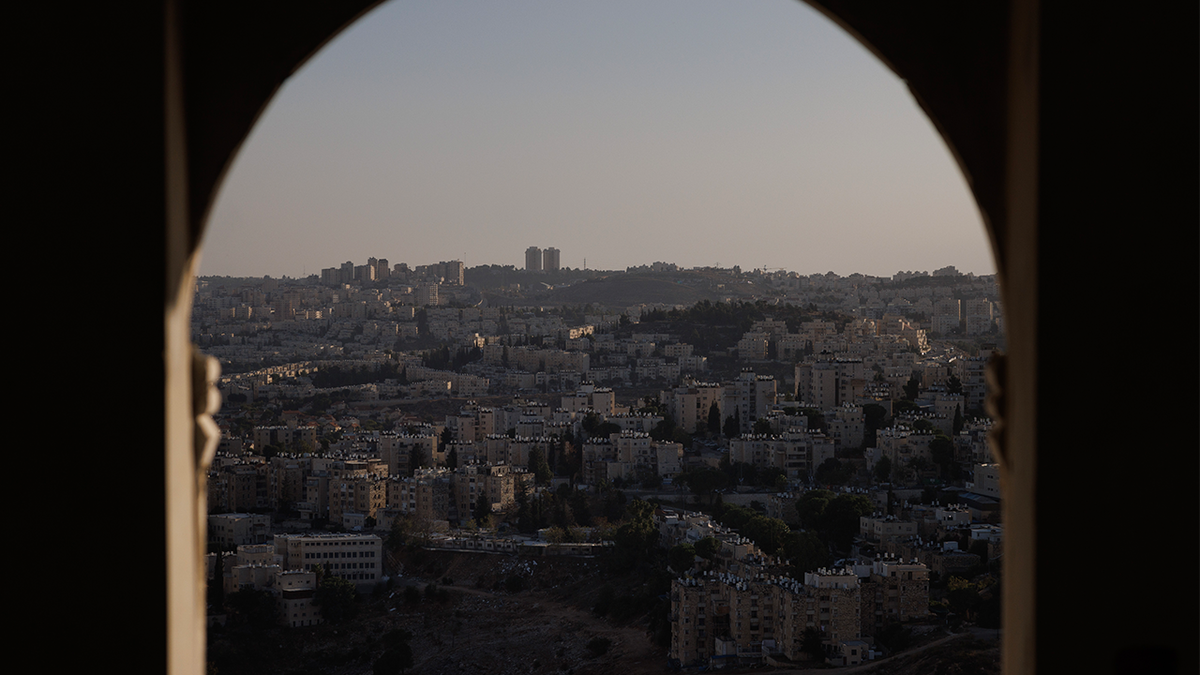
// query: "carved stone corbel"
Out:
[206,400]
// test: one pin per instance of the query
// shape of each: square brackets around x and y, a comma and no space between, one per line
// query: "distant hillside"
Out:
[623,290]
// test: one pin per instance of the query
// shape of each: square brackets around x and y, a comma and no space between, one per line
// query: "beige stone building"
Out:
[361,495]
[882,529]
[354,557]
[750,395]
[896,590]
[721,614]
[424,496]
[689,404]
[790,452]
[296,589]
[228,530]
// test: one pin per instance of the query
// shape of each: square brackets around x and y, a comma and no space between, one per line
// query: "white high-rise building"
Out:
[533,259]
[550,259]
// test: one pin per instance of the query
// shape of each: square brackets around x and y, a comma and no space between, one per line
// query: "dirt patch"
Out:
[547,628]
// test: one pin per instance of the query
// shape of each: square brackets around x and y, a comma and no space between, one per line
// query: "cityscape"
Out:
[747,200]
[572,470]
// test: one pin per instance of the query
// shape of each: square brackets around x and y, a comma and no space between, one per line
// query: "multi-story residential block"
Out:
[533,259]
[846,424]
[286,480]
[901,446]
[363,496]
[728,614]
[877,528]
[494,486]
[828,382]
[425,496]
[750,395]
[790,452]
[296,589]
[987,480]
[451,272]
[753,346]
[239,487]
[589,396]
[721,615]
[978,314]
[427,295]
[397,450]
[228,530]
[947,316]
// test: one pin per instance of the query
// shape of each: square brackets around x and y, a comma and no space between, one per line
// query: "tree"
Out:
[811,507]
[399,533]
[253,607]
[416,460]
[806,551]
[954,385]
[813,645]
[841,519]
[963,596]
[912,388]
[483,509]
[664,430]
[768,533]
[539,467]
[733,425]
[704,480]
[831,472]
[681,557]
[707,547]
[883,470]
[762,427]
[714,419]
[941,450]
[337,598]
[637,537]
[874,417]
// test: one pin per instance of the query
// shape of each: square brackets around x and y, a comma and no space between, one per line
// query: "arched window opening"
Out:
[637,153]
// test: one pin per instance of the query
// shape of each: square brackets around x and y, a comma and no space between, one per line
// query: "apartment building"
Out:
[533,259]
[425,496]
[228,530]
[896,590]
[722,614]
[359,495]
[790,452]
[877,528]
[690,404]
[396,450]
[750,396]
[494,486]
[296,589]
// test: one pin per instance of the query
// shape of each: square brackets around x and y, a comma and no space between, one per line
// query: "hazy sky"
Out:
[701,132]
